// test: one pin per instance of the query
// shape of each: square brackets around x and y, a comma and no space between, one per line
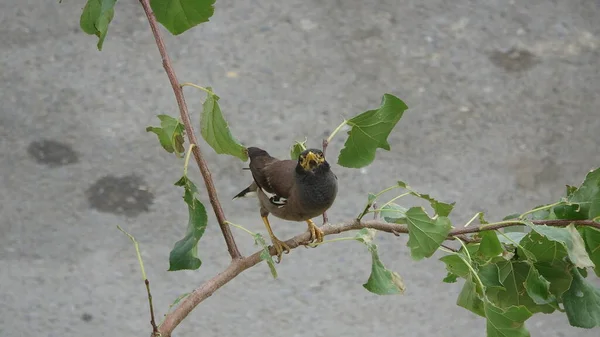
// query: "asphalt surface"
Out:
[504,111]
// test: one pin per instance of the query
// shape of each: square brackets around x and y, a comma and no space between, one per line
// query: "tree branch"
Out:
[239,265]
[185,117]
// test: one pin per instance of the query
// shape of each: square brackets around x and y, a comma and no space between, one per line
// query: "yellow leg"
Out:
[316,234]
[279,245]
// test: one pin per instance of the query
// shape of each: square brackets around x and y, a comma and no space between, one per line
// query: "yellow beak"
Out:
[311,160]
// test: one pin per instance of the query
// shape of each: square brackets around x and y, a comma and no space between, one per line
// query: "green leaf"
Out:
[440,208]
[95,18]
[570,189]
[393,213]
[511,237]
[170,134]
[450,278]
[587,196]
[456,265]
[489,246]
[558,274]
[297,148]
[370,131]
[184,254]
[371,199]
[570,239]
[538,288]
[582,302]
[382,281]
[509,322]
[481,217]
[215,131]
[180,15]
[511,216]
[566,211]
[490,276]
[470,300]
[591,237]
[265,255]
[366,236]
[544,249]
[425,235]
[513,276]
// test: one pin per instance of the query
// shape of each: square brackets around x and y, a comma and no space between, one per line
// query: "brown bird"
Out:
[294,190]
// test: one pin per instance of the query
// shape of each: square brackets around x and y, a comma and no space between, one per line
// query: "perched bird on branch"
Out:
[294,190]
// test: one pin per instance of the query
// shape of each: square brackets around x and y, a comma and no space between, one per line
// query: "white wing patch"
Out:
[275,199]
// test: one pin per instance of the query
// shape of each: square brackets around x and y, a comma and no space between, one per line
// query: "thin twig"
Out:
[155,332]
[552,223]
[185,117]
[152,321]
[237,266]
[325,144]
[450,248]
[325,218]
[375,211]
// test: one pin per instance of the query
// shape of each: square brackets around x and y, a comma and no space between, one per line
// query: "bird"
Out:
[293,190]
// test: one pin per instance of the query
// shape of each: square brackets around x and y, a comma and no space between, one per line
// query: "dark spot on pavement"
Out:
[86,317]
[126,195]
[52,153]
[514,60]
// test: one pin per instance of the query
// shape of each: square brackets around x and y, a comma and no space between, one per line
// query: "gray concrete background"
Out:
[503,99]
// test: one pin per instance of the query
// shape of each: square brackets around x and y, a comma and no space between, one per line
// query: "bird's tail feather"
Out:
[247,192]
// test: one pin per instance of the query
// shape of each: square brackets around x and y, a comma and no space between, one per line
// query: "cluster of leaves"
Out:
[175,15]
[508,276]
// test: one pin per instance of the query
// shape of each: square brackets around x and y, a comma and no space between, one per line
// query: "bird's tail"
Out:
[247,192]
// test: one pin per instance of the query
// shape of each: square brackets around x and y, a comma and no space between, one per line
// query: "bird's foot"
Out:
[316,234]
[280,247]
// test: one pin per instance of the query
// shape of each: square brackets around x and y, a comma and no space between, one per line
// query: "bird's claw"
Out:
[316,234]
[280,247]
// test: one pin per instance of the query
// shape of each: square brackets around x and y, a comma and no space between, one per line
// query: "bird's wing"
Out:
[280,176]
[259,160]
[273,176]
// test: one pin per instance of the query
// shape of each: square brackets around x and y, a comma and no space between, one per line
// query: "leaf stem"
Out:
[386,190]
[232,248]
[146,282]
[394,199]
[470,266]
[315,244]
[465,248]
[513,222]
[472,219]
[187,159]
[240,227]
[540,209]
[387,210]
[474,273]
[336,131]
[137,250]
[189,84]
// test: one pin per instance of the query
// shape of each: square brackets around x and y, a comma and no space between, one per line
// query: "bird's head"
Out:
[311,159]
